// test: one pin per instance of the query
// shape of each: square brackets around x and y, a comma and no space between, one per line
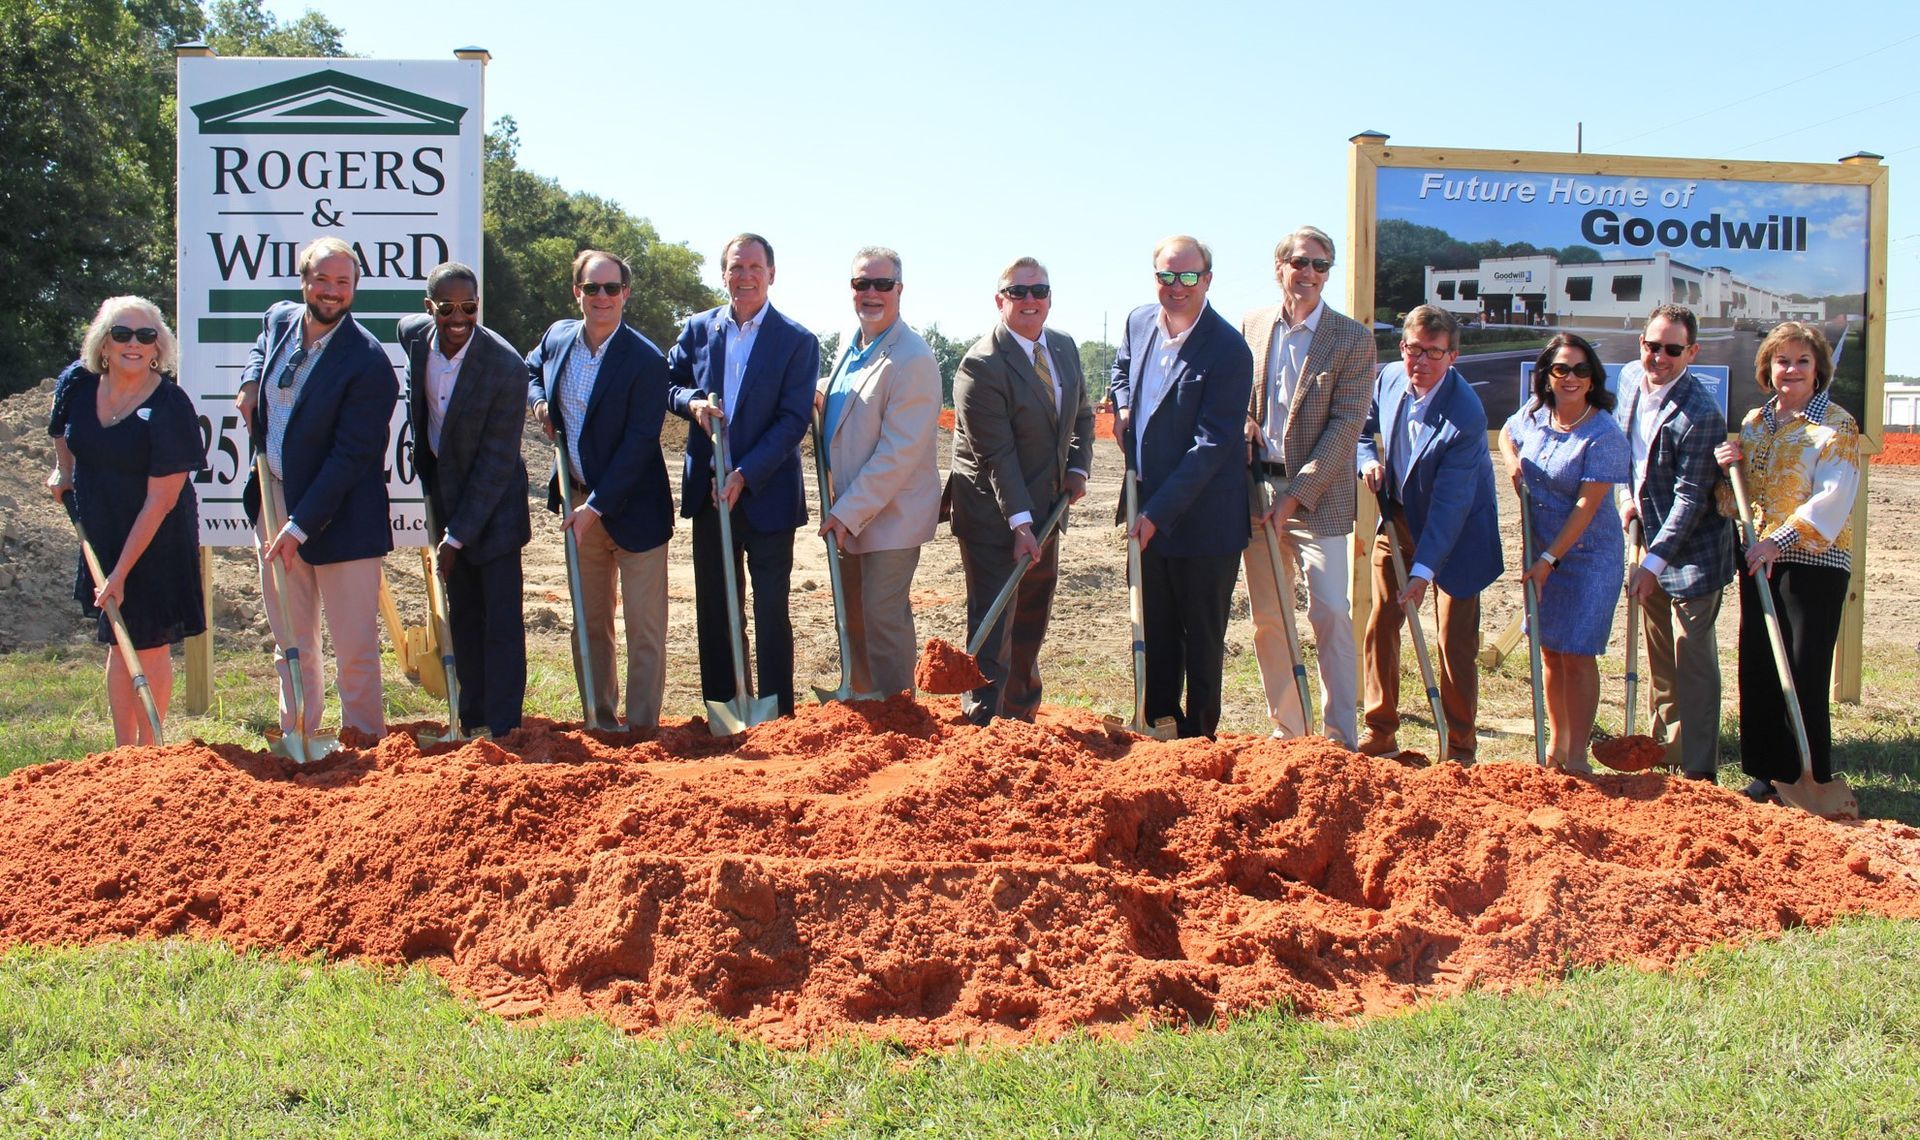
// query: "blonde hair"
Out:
[93,349]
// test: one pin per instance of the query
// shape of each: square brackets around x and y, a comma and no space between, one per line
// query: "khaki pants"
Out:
[1458,642]
[1683,660]
[642,583]
[880,619]
[349,593]
[1329,611]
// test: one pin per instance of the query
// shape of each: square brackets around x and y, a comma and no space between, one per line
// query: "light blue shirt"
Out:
[840,388]
[576,389]
[737,350]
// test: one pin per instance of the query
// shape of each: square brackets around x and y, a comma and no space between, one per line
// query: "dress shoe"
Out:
[1374,744]
[1759,791]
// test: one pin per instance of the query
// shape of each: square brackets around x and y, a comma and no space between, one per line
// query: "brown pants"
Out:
[1459,641]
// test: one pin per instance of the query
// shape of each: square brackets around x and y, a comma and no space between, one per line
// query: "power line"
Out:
[1760,95]
[1821,123]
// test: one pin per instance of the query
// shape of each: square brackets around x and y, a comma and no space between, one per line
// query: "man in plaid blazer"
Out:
[1672,426]
[1313,380]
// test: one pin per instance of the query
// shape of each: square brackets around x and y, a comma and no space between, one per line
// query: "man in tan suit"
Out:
[1023,440]
[1313,379]
[881,408]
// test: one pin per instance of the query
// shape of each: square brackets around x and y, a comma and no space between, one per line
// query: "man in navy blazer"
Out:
[1180,385]
[1438,476]
[749,365]
[1673,425]
[466,403]
[318,395]
[603,388]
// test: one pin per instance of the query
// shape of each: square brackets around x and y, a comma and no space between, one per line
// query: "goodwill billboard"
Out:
[273,153]
[1518,254]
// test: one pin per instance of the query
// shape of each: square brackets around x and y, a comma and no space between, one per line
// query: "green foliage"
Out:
[245,27]
[1096,366]
[949,353]
[829,352]
[1406,249]
[534,227]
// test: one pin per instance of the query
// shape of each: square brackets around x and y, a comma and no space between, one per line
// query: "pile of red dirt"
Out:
[1630,753]
[883,868]
[1899,449]
[945,668]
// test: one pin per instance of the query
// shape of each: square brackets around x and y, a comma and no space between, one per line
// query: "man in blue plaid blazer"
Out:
[1672,426]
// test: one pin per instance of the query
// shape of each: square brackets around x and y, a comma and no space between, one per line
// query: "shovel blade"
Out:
[843,693]
[1162,729]
[1831,800]
[731,718]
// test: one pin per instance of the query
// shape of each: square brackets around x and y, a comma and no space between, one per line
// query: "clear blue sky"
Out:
[966,135]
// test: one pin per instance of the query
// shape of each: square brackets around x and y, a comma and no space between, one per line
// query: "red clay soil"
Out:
[1899,449]
[884,869]
[945,668]
[1630,753]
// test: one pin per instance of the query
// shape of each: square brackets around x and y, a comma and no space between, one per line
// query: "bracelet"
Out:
[1547,557]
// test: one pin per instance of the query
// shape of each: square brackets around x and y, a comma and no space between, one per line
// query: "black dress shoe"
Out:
[1759,791]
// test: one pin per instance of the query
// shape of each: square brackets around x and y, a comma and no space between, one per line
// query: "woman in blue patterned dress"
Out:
[126,439]
[1565,452]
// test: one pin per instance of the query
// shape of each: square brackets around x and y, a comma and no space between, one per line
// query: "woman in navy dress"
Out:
[126,438]
[1565,453]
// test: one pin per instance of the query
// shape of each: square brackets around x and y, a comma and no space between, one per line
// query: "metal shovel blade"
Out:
[731,718]
[1833,799]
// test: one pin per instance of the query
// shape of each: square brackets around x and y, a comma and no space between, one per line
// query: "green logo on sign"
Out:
[328,103]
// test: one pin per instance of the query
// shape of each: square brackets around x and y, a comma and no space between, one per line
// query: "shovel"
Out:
[1833,799]
[1164,728]
[574,589]
[1264,495]
[297,746]
[128,654]
[1007,591]
[1413,627]
[1533,632]
[823,471]
[732,717]
[1632,752]
[442,632]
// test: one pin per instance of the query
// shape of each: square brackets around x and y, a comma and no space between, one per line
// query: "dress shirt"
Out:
[1286,359]
[576,389]
[737,350]
[852,359]
[1155,369]
[442,374]
[1033,348]
[1414,428]
[279,401]
[1649,398]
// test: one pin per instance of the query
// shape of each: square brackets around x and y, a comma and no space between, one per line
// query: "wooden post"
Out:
[199,689]
[1367,147]
[1853,617]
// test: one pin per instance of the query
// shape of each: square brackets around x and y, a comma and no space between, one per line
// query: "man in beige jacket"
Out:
[881,409]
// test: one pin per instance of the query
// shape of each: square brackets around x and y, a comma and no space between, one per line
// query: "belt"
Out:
[1271,470]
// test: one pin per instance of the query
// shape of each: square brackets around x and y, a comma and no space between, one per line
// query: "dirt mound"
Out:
[945,668]
[885,868]
[1630,753]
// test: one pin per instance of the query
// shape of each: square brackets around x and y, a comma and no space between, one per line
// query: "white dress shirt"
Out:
[1156,372]
[1286,360]
[740,338]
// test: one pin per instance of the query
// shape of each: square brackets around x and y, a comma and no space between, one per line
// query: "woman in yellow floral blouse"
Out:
[1802,457]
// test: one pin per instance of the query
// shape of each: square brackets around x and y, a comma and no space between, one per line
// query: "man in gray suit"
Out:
[466,396]
[1023,439]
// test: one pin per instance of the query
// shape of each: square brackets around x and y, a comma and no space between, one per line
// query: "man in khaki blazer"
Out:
[1022,442]
[881,409]
[1313,379]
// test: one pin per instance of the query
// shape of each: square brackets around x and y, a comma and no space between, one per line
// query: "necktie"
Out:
[1045,370]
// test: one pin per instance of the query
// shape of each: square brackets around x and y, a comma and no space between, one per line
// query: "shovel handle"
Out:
[574,588]
[122,640]
[1775,638]
[1413,625]
[1020,569]
[1532,593]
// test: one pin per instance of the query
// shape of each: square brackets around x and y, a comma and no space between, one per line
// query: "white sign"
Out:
[383,154]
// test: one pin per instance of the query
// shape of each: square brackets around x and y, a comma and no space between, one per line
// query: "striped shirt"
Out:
[576,389]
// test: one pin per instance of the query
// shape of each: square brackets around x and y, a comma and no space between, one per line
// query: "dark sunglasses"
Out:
[447,308]
[595,288]
[1168,277]
[1320,264]
[292,366]
[1415,352]
[121,334]
[1669,349]
[1560,370]
[882,284]
[1021,292]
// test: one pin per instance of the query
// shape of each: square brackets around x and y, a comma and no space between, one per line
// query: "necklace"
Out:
[121,409]
[1554,414]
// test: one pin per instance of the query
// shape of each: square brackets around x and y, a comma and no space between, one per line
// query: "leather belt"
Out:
[1271,470]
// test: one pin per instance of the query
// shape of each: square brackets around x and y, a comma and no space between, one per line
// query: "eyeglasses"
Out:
[878,284]
[121,334]
[293,365]
[1020,292]
[595,288]
[1414,352]
[1560,370]
[1658,346]
[1320,264]
[1168,277]
[466,308]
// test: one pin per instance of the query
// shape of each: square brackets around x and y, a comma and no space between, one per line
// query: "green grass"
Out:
[1816,1034]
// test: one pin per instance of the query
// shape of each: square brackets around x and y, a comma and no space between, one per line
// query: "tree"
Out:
[533,230]
[1096,366]
[948,353]
[243,27]
[829,352]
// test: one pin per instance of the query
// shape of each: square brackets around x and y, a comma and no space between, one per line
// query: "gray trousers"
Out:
[1683,659]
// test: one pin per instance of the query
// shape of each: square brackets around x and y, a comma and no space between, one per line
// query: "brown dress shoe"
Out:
[1374,744]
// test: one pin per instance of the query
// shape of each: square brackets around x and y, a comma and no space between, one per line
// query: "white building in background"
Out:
[1538,290]
[1902,411]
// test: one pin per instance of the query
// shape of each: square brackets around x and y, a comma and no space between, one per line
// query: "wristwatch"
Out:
[1547,557]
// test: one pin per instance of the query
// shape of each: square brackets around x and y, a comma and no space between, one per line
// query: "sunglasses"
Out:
[292,366]
[1669,349]
[1560,370]
[1320,264]
[595,288]
[1415,352]
[879,284]
[1021,292]
[448,308]
[121,334]
[1168,277]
